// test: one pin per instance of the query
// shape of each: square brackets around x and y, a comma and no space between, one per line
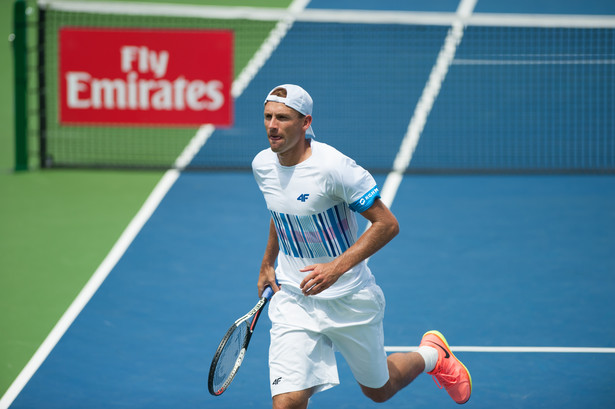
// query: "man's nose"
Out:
[273,123]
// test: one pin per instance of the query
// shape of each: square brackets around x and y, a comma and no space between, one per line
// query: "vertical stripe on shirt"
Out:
[323,234]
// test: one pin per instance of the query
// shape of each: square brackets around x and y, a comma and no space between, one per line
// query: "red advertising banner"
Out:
[145,77]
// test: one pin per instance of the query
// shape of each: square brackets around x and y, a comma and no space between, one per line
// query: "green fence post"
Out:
[21,85]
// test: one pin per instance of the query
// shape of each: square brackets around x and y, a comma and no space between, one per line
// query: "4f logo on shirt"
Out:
[303,197]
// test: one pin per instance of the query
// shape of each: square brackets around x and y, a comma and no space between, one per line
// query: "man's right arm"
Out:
[267,271]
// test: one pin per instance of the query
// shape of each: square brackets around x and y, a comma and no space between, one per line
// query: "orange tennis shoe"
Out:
[449,372]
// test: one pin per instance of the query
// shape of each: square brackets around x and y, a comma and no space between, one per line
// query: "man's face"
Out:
[285,127]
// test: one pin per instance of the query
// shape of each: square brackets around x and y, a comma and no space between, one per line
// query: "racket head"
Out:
[232,348]
[228,357]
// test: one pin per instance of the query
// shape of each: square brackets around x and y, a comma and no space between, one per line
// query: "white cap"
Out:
[296,98]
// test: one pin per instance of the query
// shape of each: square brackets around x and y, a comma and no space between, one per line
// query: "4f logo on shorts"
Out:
[277,381]
[303,197]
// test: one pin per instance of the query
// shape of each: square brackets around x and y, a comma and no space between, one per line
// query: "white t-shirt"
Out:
[313,206]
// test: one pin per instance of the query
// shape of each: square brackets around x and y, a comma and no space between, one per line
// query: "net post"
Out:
[20,61]
[44,160]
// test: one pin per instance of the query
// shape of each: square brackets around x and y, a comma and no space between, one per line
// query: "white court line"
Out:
[417,123]
[428,97]
[143,215]
[101,273]
[588,61]
[542,350]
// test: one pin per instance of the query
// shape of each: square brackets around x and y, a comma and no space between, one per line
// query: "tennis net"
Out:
[520,93]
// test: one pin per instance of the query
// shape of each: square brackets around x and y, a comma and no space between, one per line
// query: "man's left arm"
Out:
[384,227]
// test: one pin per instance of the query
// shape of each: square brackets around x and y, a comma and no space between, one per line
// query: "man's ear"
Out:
[307,121]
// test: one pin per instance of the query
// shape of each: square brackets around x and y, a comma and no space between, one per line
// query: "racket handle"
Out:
[268,292]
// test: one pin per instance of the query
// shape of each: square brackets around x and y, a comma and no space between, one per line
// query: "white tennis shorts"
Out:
[307,331]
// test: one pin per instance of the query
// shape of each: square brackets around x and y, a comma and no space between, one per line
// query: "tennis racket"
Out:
[232,348]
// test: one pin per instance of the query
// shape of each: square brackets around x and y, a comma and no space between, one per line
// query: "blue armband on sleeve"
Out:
[366,201]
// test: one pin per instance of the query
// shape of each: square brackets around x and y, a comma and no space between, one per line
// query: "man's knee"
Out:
[378,395]
[292,400]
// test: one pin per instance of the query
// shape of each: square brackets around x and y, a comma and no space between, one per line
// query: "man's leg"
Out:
[293,400]
[403,369]
[449,372]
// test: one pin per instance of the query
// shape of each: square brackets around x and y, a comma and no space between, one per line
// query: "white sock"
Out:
[430,356]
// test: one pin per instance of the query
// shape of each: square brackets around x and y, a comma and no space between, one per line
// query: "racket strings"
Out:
[229,355]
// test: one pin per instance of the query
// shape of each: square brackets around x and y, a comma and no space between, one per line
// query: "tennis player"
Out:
[327,298]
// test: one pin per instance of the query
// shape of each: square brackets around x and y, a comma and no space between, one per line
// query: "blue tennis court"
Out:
[516,270]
